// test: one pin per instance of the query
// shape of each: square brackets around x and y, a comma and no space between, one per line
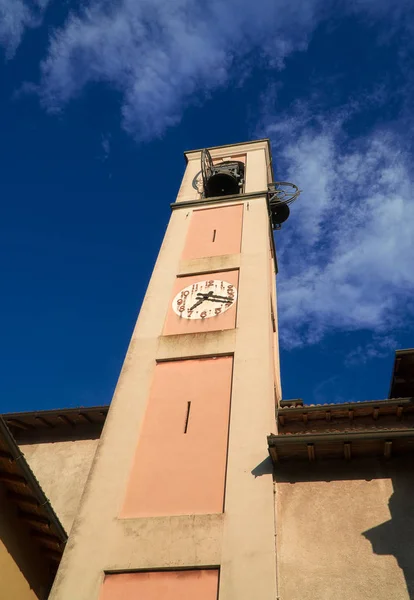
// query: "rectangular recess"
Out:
[214,232]
[173,473]
[201,584]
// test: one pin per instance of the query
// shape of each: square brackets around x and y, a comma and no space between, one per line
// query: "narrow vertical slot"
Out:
[214,235]
[187,417]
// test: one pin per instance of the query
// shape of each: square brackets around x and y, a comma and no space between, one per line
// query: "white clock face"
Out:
[204,299]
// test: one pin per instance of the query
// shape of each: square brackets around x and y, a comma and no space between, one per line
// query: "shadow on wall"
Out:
[396,536]
[263,468]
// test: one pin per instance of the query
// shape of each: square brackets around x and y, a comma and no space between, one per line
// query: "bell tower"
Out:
[179,501]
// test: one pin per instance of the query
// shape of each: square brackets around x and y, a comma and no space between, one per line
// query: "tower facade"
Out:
[179,501]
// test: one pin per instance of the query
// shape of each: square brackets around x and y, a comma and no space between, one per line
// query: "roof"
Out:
[57,424]
[402,379]
[349,430]
[33,507]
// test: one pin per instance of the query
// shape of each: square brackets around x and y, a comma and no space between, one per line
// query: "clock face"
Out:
[204,299]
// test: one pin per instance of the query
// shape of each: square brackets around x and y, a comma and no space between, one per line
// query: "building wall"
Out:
[62,469]
[22,577]
[346,533]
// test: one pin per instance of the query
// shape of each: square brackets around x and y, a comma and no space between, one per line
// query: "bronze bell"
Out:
[222,183]
[279,212]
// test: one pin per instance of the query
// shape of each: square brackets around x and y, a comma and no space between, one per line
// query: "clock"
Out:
[204,299]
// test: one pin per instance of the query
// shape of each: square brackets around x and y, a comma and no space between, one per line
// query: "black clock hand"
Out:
[201,300]
[197,304]
[211,296]
[223,300]
[218,297]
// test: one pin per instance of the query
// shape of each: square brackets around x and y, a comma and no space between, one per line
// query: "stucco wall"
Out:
[21,576]
[347,533]
[62,469]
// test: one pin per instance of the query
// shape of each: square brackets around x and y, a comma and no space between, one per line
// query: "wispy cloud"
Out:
[379,347]
[346,256]
[163,55]
[15,17]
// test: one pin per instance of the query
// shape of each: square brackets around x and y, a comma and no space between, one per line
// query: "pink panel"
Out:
[161,585]
[180,461]
[175,324]
[214,231]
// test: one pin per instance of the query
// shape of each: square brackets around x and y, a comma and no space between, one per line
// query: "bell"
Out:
[280,212]
[222,183]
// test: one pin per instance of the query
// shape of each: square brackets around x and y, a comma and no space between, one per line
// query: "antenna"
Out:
[280,194]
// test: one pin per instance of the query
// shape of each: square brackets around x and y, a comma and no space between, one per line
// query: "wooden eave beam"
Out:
[12,478]
[19,424]
[4,455]
[34,519]
[23,499]
[44,422]
[65,419]
[273,453]
[54,555]
[45,537]
[86,418]
[387,448]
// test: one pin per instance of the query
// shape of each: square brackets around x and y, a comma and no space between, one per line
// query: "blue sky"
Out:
[98,101]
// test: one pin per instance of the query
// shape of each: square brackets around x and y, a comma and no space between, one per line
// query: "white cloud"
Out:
[346,254]
[163,55]
[15,17]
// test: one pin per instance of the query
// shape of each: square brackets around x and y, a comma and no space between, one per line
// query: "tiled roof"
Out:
[33,507]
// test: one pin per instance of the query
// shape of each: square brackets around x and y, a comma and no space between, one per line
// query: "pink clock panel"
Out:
[201,303]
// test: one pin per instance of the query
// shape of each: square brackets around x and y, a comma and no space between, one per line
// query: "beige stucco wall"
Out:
[62,469]
[22,577]
[347,534]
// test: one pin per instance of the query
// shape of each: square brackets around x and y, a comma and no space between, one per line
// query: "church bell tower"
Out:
[179,501]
